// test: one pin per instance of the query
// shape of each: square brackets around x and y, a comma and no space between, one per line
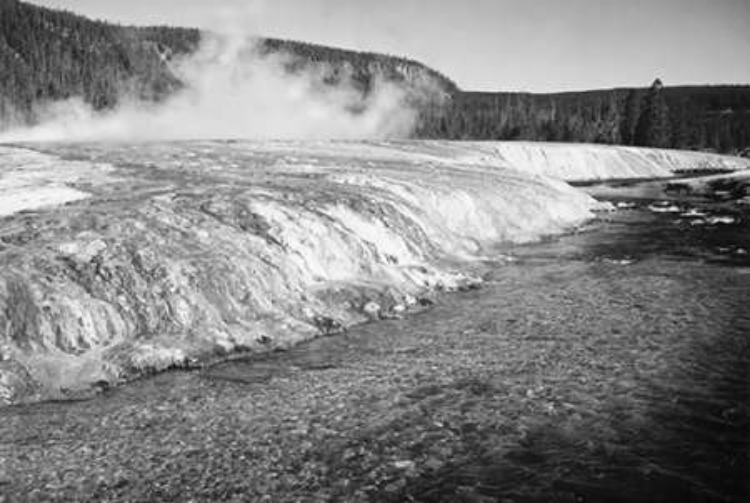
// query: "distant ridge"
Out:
[48,55]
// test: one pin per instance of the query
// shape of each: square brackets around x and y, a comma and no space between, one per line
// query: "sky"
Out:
[493,45]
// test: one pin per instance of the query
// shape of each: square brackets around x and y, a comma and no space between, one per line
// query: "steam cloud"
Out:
[234,91]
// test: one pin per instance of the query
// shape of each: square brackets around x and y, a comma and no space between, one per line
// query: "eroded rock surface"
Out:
[175,254]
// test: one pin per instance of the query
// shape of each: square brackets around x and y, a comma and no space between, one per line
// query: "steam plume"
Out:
[233,90]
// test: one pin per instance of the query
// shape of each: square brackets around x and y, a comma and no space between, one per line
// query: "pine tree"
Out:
[631,116]
[653,128]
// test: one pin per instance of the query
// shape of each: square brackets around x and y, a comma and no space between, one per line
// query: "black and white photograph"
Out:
[433,251]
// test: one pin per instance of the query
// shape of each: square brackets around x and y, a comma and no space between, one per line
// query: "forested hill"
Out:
[48,55]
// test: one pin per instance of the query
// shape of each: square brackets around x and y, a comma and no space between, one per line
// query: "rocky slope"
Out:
[173,254]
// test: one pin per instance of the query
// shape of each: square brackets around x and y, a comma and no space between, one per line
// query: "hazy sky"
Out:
[531,45]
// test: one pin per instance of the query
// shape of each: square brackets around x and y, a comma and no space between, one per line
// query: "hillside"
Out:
[49,55]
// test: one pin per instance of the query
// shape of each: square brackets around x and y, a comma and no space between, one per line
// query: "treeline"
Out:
[362,68]
[48,55]
[704,118]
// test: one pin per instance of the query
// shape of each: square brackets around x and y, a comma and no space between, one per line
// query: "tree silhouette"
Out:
[630,117]
[653,128]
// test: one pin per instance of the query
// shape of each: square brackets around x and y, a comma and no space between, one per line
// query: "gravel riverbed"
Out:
[567,377]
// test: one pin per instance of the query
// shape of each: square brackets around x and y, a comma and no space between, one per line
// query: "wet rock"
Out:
[433,464]
[264,340]
[327,325]
[664,208]
[693,213]
[372,309]
[101,386]
[405,465]
[83,251]
[621,261]
[720,219]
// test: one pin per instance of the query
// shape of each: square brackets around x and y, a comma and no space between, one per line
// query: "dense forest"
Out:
[689,117]
[48,55]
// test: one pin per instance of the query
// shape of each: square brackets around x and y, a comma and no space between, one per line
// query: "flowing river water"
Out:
[607,365]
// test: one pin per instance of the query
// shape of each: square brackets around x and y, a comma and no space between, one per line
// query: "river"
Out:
[607,365]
